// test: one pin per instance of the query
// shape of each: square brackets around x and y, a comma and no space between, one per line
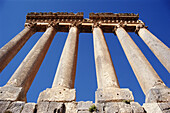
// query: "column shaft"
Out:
[161,51]
[25,73]
[65,74]
[8,51]
[143,70]
[106,76]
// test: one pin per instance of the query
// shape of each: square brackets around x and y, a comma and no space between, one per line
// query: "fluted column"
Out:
[146,75]
[108,85]
[161,51]
[63,85]
[106,75]
[25,73]
[8,51]
[65,74]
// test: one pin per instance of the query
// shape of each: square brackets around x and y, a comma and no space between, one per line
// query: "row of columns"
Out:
[65,74]
[146,75]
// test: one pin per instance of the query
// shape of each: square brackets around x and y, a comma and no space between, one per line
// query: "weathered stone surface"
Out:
[152,108]
[29,108]
[42,107]
[66,70]
[71,107]
[126,110]
[161,51]
[15,107]
[11,93]
[137,108]
[143,70]
[165,107]
[157,107]
[158,95]
[4,105]
[113,95]
[82,106]
[8,51]
[57,107]
[118,107]
[57,95]
[83,112]
[112,109]
[101,107]
[106,75]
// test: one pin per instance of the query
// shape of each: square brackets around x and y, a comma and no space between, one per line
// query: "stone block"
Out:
[12,93]
[125,110]
[122,107]
[29,108]
[124,104]
[112,109]
[42,107]
[55,107]
[165,107]
[152,108]
[83,112]
[113,95]
[158,95]
[4,105]
[137,108]
[101,107]
[84,105]
[57,95]
[71,107]
[15,107]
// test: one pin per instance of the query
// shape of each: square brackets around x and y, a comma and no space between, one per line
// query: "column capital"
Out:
[53,24]
[120,24]
[31,25]
[76,24]
[140,25]
[95,25]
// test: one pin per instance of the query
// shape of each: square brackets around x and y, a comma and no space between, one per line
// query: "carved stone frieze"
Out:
[65,20]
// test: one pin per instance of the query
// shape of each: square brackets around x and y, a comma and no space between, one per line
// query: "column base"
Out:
[57,95]
[11,93]
[156,95]
[156,107]
[113,95]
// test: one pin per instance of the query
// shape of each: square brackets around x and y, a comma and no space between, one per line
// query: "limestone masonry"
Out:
[109,97]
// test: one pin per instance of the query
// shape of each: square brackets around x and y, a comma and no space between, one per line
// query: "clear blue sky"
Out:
[155,13]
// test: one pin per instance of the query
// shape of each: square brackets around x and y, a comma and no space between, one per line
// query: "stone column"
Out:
[65,74]
[106,75]
[161,51]
[148,79]
[8,51]
[22,78]
[63,84]
[108,86]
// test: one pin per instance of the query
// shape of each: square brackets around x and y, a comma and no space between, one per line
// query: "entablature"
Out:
[64,19]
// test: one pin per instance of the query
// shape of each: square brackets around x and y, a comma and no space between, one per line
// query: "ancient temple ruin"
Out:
[109,97]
